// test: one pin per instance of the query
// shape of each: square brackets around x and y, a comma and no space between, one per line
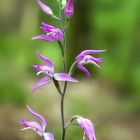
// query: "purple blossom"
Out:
[39,128]
[45,8]
[86,58]
[52,34]
[48,70]
[69,9]
[87,127]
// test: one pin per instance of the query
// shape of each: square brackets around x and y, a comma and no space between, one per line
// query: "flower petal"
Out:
[87,52]
[97,60]
[64,77]
[48,136]
[45,38]
[32,125]
[45,8]
[42,82]
[39,117]
[43,69]
[87,127]
[59,35]
[46,61]
[46,27]
[79,58]
[83,69]
[87,59]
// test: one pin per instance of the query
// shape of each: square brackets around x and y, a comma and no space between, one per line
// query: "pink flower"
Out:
[48,70]
[69,9]
[52,34]
[39,128]
[86,58]
[87,127]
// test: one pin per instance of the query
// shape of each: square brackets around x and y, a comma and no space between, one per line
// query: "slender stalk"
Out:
[63,49]
[72,68]
[62,118]
[63,55]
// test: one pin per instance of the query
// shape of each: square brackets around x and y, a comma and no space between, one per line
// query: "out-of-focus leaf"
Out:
[58,1]
[64,2]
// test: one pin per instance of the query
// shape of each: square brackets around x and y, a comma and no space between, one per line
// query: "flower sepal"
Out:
[47,10]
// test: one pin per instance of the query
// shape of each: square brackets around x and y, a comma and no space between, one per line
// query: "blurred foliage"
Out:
[114,26]
[117,28]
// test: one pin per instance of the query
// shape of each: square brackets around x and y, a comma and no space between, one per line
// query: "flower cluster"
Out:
[53,34]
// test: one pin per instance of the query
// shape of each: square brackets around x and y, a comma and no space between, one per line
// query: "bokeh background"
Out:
[111,98]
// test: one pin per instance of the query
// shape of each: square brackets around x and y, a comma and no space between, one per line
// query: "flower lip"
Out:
[44,69]
[32,125]
[87,59]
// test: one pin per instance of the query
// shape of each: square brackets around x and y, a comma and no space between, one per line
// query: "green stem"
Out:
[63,96]
[72,68]
[63,55]
[63,49]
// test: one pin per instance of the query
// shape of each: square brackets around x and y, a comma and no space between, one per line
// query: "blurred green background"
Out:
[111,98]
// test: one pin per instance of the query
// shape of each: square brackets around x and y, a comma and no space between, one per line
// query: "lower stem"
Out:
[62,117]
[62,112]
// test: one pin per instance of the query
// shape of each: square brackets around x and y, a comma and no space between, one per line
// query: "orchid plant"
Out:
[53,34]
